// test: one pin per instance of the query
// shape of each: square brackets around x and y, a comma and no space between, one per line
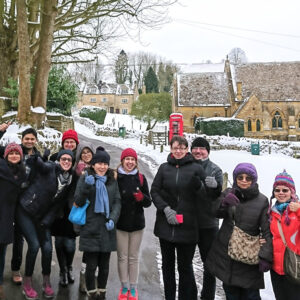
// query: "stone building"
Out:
[115,98]
[265,95]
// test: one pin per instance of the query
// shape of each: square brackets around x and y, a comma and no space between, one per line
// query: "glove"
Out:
[211,182]
[171,215]
[264,266]
[90,180]
[110,225]
[138,196]
[196,182]
[230,200]
[46,154]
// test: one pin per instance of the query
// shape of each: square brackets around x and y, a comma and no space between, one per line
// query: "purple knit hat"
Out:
[245,168]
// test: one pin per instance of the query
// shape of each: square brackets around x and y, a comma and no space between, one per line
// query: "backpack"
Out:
[141,177]
[291,261]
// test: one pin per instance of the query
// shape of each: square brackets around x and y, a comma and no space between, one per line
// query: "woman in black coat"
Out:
[12,175]
[241,281]
[175,194]
[135,197]
[36,212]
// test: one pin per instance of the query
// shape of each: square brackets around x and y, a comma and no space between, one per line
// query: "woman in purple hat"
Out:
[248,208]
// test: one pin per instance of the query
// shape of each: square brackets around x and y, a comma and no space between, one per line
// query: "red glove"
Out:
[138,196]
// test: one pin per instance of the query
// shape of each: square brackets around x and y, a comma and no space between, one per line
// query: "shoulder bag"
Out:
[78,214]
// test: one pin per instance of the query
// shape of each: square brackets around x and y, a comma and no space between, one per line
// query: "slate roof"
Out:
[108,88]
[270,81]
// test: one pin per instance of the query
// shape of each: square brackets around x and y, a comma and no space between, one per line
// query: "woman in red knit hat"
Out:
[135,197]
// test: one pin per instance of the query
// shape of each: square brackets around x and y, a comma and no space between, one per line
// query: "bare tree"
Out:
[237,56]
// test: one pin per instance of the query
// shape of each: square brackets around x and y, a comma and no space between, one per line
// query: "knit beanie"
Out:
[29,131]
[200,142]
[64,151]
[100,156]
[70,134]
[128,152]
[245,168]
[13,147]
[285,179]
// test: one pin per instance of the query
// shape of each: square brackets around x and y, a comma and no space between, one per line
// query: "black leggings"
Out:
[94,260]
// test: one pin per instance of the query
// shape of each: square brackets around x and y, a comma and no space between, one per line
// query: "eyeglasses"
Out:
[66,159]
[179,148]
[281,190]
[243,177]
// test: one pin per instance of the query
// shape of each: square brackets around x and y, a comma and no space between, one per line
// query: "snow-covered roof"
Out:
[108,88]
[201,68]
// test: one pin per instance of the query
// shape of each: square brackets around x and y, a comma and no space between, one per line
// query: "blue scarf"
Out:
[281,207]
[101,203]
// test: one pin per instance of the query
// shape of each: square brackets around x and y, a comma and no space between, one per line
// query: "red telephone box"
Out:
[175,125]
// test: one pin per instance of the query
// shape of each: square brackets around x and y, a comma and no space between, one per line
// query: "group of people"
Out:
[38,193]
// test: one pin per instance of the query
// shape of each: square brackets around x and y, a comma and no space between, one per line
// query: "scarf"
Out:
[281,207]
[122,171]
[101,203]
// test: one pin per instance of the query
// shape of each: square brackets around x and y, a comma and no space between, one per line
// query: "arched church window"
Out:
[257,125]
[277,120]
[249,125]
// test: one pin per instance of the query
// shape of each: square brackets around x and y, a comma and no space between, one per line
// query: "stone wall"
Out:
[59,122]
[5,105]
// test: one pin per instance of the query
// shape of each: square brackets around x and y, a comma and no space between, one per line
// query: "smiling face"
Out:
[129,163]
[199,153]
[65,162]
[243,181]
[14,157]
[69,144]
[86,155]
[282,193]
[178,150]
[29,141]
[100,168]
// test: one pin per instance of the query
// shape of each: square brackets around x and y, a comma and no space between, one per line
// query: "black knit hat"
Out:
[200,142]
[64,151]
[100,156]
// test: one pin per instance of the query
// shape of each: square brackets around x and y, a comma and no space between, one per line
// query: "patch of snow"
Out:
[38,110]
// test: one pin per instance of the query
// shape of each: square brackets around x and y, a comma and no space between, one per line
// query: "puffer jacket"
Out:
[291,234]
[94,237]
[176,185]
[251,215]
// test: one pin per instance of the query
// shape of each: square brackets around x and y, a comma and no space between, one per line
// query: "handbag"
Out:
[78,214]
[242,246]
[291,261]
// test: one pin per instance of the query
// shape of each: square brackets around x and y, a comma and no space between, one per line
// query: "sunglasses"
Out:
[281,190]
[243,177]
[66,159]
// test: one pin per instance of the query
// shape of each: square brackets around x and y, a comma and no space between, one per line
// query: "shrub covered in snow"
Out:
[94,113]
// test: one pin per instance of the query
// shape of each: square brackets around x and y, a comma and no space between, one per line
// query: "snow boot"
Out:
[102,294]
[28,291]
[92,295]
[16,277]
[47,289]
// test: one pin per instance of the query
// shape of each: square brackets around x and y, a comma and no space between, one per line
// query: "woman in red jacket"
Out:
[287,210]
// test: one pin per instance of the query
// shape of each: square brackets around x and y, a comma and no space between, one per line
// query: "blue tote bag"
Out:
[78,214]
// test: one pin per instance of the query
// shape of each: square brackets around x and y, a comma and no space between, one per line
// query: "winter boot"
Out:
[28,291]
[123,294]
[71,278]
[102,294]
[16,277]
[47,289]
[82,287]
[63,278]
[92,295]
[133,294]
[2,296]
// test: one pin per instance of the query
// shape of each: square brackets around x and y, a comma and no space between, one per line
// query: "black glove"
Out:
[196,182]
[46,154]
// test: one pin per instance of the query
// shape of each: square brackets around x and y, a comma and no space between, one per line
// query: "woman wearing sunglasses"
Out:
[286,210]
[241,281]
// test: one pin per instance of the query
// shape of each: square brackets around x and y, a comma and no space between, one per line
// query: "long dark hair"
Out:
[17,169]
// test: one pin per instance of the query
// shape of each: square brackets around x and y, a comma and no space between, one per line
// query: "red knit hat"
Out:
[13,147]
[128,152]
[70,134]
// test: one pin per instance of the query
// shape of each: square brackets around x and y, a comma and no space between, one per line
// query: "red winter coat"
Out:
[290,233]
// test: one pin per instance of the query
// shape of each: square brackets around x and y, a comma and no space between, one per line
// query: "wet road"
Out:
[149,288]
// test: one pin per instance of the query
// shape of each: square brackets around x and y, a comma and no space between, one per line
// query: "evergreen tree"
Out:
[121,67]
[151,81]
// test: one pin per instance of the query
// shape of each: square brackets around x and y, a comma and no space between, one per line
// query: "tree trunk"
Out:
[24,63]
[49,12]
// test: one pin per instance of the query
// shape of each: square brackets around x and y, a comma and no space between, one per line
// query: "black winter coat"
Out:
[208,196]
[176,184]
[251,216]
[10,188]
[39,200]
[94,237]
[132,212]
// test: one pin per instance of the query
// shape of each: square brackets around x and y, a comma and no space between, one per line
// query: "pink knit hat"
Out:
[13,147]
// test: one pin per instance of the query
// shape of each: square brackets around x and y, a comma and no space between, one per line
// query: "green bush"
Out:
[220,126]
[94,113]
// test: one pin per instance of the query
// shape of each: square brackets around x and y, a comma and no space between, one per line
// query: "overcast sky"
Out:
[203,30]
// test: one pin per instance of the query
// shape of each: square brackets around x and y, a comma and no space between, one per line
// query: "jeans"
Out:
[283,288]
[206,238]
[187,288]
[65,249]
[238,293]
[17,251]
[37,237]
[2,261]
[94,260]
